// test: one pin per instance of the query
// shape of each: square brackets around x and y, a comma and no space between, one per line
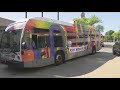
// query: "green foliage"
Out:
[93,20]
[116,35]
[83,20]
[111,35]
[110,32]
[90,22]
[99,28]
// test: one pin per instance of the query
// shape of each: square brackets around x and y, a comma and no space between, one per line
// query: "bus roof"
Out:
[43,19]
[21,23]
[53,21]
[24,21]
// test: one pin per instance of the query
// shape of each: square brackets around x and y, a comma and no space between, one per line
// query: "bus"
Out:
[39,41]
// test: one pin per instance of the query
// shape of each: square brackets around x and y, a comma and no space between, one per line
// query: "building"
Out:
[3,24]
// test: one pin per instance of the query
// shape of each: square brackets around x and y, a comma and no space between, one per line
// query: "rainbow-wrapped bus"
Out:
[39,41]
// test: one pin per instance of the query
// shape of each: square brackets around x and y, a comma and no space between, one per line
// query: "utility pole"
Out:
[25,14]
[42,14]
[57,15]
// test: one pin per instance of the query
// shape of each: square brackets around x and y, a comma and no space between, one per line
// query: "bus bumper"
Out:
[12,63]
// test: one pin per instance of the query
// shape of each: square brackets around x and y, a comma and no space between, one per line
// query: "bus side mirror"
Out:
[24,45]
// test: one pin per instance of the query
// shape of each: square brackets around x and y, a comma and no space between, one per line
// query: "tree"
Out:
[109,35]
[93,20]
[111,32]
[90,22]
[99,28]
[84,20]
[116,35]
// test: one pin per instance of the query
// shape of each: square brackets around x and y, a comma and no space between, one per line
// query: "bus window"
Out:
[40,41]
[58,42]
[26,40]
[72,39]
[81,44]
[5,42]
[34,41]
[43,41]
[47,41]
[86,43]
[11,40]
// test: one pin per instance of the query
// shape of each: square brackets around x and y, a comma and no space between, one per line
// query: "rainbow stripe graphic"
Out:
[43,53]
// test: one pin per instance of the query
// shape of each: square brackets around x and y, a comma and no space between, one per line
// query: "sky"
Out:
[110,20]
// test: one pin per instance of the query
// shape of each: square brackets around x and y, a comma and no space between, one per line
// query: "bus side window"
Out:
[26,40]
[47,41]
[43,41]
[34,41]
[72,39]
[81,44]
[58,42]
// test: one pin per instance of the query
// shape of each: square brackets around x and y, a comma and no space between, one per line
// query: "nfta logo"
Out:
[77,49]
[72,49]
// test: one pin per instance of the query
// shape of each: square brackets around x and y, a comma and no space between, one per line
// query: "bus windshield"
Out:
[11,40]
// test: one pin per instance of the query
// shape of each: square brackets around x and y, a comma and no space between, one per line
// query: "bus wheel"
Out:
[114,53]
[59,58]
[93,50]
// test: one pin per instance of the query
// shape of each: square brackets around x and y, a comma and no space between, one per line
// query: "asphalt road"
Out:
[102,64]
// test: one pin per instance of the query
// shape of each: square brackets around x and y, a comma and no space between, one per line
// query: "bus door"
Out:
[43,46]
[27,53]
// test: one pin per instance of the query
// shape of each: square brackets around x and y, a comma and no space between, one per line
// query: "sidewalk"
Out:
[109,44]
[111,69]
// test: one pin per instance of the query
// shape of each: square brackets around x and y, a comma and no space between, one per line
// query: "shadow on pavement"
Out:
[71,68]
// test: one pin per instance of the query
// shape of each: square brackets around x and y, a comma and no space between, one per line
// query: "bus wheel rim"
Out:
[58,58]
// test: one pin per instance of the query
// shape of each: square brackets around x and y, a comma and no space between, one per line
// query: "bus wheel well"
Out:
[59,57]
[62,52]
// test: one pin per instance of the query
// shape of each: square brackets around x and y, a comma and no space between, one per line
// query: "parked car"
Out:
[103,44]
[116,48]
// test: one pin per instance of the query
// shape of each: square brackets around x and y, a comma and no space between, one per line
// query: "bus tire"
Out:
[93,50]
[59,58]
[114,53]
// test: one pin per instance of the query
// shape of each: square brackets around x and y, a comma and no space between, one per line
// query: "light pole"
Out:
[25,14]
[57,15]
[42,14]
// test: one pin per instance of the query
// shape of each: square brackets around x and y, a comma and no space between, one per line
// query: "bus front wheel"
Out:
[59,58]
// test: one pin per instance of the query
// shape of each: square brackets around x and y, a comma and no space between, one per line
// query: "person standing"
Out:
[69,43]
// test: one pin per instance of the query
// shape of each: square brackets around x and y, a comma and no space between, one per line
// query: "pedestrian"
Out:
[69,43]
